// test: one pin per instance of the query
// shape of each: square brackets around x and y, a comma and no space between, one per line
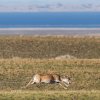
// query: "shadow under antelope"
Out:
[50,79]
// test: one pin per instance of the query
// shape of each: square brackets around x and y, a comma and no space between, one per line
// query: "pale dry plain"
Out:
[51,31]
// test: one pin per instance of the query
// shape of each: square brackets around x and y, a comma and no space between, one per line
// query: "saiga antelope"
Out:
[50,78]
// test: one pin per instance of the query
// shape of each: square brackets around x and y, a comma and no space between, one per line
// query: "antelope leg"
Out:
[62,86]
[65,84]
[29,83]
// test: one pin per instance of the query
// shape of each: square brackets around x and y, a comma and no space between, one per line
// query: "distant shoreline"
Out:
[51,31]
[49,28]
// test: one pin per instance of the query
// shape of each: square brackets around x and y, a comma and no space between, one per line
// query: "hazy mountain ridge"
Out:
[48,7]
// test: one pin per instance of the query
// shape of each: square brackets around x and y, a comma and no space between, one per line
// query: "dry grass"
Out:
[16,72]
[49,47]
[26,56]
[50,95]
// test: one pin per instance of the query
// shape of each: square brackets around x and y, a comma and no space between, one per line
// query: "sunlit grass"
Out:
[22,57]
[50,95]
[15,73]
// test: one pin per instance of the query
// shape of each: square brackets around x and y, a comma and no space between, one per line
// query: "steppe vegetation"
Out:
[22,57]
[49,47]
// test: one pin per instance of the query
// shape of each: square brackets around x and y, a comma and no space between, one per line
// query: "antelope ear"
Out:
[64,77]
[71,78]
[68,77]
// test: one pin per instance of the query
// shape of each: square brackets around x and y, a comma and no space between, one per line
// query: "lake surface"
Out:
[50,19]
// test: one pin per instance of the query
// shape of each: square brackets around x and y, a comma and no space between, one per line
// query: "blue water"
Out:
[50,19]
